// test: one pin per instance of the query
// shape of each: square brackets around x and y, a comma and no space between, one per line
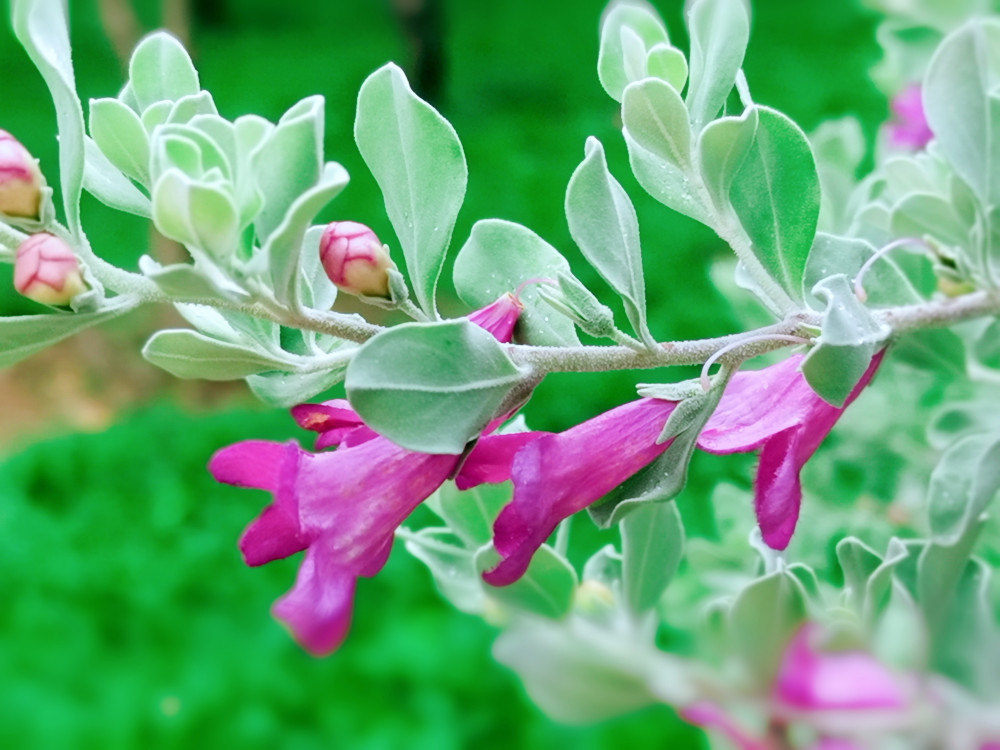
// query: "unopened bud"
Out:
[46,270]
[500,317]
[20,179]
[354,259]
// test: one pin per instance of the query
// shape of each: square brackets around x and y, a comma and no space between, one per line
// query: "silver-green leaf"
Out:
[430,387]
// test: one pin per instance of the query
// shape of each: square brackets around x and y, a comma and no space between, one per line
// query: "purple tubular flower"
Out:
[774,409]
[557,475]
[499,317]
[909,128]
[811,680]
[343,506]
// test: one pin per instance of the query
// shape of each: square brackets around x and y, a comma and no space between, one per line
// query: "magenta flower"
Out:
[500,317]
[775,410]
[343,506]
[46,270]
[557,475]
[811,680]
[825,689]
[909,129]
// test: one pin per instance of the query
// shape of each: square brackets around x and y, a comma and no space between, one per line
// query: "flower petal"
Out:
[774,408]
[273,535]
[335,421]
[812,680]
[489,462]
[251,463]
[557,475]
[756,405]
[778,492]
[317,610]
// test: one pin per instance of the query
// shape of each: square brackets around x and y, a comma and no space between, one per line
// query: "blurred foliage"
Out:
[129,616]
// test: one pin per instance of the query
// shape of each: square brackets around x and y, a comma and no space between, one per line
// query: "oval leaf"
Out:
[652,547]
[430,387]
[628,31]
[161,70]
[498,257]
[776,196]
[719,32]
[189,354]
[119,133]
[604,225]
[959,108]
[655,116]
[418,162]
[963,484]
[722,147]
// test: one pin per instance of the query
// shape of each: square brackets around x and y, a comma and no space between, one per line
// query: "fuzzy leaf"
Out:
[722,147]
[604,225]
[545,589]
[190,354]
[652,547]
[161,70]
[119,133]
[849,338]
[962,485]
[289,162]
[417,160]
[762,620]
[655,116]
[103,180]
[430,387]
[497,258]
[775,194]
[961,105]
[24,335]
[41,28]
[628,32]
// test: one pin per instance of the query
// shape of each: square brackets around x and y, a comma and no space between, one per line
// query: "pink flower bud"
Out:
[354,259]
[20,179]
[46,270]
[499,317]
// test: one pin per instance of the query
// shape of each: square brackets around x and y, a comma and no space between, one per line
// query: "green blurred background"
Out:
[128,617]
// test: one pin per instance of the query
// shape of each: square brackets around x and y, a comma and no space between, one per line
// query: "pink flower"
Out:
[810,683]
[776,411]
[810,680]
[908,129]
[46,270]
[20,179]
[557,475]
[354,259]
[500,317]
[772,409]
[343,506]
